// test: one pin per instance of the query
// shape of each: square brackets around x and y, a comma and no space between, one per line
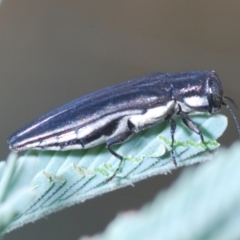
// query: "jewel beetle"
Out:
[112,115]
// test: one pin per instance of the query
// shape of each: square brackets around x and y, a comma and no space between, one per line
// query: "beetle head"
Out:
[214,93]
[216,97]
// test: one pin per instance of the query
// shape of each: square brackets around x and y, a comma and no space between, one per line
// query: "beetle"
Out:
[112,115]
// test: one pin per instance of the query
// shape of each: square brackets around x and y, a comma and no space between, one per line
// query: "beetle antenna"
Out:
[233,115]
[231,100]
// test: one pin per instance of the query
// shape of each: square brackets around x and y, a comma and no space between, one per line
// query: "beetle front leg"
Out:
[190,124]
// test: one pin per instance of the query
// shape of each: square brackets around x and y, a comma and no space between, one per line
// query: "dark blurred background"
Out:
[54,51]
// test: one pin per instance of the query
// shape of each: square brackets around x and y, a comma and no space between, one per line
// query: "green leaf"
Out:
[47,181]
[203,204]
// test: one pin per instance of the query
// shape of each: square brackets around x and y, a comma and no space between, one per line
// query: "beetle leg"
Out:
[190,124]
[116,140]
[173,128]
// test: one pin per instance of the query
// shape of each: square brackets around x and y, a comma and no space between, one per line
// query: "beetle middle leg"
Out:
[173,129]
[117,140]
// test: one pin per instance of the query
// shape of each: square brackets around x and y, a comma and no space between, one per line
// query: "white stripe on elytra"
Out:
[139,120]
[36,141]
[86,130]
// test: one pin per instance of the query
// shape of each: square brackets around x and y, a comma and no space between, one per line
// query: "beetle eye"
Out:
[216,94]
